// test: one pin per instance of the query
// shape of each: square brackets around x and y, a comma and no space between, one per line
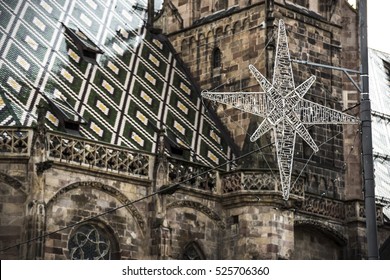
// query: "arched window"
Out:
[217,57]
[92,242]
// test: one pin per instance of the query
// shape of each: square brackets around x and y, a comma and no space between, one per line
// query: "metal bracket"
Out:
[345,70]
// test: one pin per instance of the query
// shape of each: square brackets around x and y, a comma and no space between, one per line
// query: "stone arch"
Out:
[216,58]
[106,189]
[201,39]
[218,34]
[193,41]
[105,235]
[322,184]
[193,46]
[209,41]
[210,36]
[209,47]
[199,207]
[192,221]
[236,27]
[331,185]
[184,48]
[227,30]
[202,49]
[245,24]
[384,250]
[313,183]
[323,241]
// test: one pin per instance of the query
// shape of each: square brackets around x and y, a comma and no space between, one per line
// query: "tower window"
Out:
[216,58]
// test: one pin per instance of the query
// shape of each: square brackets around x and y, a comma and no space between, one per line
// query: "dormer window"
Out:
[88,49]
[69,119]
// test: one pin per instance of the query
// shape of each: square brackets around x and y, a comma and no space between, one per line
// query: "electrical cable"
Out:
[173,186]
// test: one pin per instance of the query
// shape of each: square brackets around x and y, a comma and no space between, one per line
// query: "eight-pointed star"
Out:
[283,108]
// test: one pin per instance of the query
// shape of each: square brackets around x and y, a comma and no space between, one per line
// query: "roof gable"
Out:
[137,87]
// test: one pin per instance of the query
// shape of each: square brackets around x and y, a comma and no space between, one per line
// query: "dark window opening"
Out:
[174,148]
[89,54]
[177,150]
[217,58]
[69,119]
[88,49]
[71,125]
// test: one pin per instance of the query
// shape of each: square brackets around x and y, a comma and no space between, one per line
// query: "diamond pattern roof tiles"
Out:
[137,87]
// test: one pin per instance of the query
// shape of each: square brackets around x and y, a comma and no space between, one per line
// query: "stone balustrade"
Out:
[74,150]
[15,141]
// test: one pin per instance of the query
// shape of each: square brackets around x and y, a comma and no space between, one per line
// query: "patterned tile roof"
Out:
[137,86]
[379,70]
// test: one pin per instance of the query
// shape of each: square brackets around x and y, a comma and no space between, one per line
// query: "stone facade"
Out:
[322,32]
[236,215]
[67,197]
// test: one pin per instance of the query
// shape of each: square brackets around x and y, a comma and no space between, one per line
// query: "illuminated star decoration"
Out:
[283,108]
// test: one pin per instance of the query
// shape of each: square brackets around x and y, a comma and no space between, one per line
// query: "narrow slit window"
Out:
[217,56]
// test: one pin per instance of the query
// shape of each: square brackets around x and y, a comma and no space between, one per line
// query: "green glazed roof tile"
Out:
[136,87]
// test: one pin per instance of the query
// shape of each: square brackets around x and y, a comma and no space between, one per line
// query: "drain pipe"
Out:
[367,150]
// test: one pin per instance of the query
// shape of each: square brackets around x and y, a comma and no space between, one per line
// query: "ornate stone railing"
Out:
[94,154]
[355,211]
[191,174]
[323,206]
[259,180]
[15,141]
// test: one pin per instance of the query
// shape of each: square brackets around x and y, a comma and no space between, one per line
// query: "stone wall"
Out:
[259,232]
[88,197]
[231,215]
[243,37]
[311,244]
[351,99]
[13,197]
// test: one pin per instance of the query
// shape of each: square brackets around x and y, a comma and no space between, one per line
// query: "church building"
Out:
[109,148]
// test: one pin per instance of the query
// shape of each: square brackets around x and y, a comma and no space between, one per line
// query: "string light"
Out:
[164,190]
[283,108]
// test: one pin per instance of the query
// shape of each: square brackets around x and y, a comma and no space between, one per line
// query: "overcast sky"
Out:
[378,26]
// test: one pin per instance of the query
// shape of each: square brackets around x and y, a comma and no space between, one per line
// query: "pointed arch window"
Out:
[193,252]
[217,56]
[92,242]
